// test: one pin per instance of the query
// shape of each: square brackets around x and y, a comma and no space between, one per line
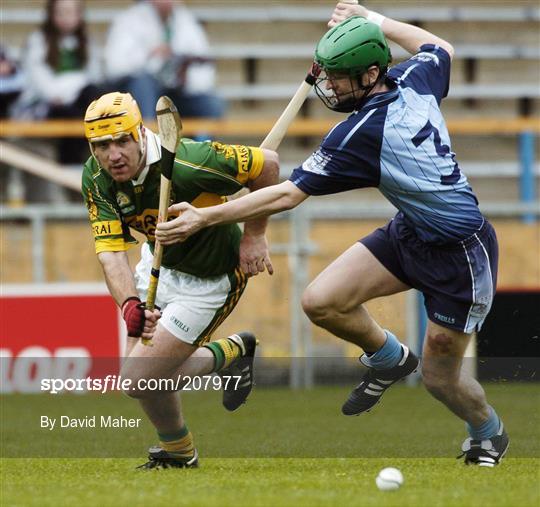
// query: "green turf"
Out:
[283,448]
[274,423]
[267,482]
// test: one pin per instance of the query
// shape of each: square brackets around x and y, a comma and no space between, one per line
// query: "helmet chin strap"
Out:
[142,149]
[367,90]
[353,103]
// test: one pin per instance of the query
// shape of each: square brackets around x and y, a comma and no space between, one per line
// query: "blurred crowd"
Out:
[152,47]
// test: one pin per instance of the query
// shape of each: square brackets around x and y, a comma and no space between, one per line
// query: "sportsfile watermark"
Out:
[112,383]
[90,409]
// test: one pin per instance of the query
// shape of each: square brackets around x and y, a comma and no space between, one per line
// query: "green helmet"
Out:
[352,47]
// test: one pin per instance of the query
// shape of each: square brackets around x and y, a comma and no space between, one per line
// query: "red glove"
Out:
[133,314]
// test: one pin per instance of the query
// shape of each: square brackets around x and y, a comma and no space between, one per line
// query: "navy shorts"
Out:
[457,280]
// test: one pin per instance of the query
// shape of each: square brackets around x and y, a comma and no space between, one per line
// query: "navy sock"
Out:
[487,429]
[387,356]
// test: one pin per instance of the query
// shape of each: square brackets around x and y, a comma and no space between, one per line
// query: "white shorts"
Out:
[192,307]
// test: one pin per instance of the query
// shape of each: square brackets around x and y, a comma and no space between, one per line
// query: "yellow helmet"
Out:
[112,116]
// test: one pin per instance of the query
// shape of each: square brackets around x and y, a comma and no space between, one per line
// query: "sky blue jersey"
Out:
[398,142]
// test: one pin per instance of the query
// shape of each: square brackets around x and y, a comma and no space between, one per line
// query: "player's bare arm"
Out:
[261,203]
[269,176]
[121,285]
[254,254]
[409,37]
[118,275]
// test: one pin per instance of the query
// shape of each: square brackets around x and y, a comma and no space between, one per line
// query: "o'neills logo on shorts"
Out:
[180,325]
[444,318]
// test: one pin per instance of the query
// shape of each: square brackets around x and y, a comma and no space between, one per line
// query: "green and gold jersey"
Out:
[203,173]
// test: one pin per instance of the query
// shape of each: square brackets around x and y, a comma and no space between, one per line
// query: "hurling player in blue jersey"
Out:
[395,139]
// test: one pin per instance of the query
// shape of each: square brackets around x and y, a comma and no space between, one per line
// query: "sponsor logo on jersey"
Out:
[145,222]
[316,163]
[426,57]
[107,228]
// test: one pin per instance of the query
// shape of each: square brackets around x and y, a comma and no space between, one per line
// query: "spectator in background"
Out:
[11,81]
[157,47]
[61,66]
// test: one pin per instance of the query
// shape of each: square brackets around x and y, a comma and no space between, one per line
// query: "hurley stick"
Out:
[276,135]
[170,134]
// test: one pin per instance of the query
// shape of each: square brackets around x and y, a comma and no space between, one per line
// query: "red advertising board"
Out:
[57,331]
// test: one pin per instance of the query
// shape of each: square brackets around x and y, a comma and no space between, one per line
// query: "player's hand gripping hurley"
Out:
[276,135]
[170,135]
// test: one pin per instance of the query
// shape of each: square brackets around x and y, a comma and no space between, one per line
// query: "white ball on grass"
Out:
[389,479]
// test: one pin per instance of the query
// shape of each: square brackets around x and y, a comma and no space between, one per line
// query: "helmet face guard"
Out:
[350,49]
[344,102]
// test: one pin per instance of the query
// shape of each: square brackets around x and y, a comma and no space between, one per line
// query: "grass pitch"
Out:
[283,448]
[268,482]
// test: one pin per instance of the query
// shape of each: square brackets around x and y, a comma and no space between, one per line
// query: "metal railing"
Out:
[299,249]
[288,12]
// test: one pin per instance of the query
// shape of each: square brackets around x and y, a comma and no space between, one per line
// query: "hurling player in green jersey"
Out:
[201,280]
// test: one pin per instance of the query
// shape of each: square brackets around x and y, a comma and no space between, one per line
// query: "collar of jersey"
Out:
[153,154]
[381,99]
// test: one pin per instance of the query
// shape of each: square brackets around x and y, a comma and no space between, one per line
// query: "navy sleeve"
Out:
[427,72]
[348,157]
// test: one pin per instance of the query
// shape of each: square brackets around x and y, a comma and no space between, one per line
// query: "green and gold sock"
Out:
[179,444]
[225,352]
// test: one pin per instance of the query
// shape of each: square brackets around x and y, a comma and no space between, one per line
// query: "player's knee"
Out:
[434,386]
[130,387]
[141,387]
[131,381]
[439,386]
[133,392]
[315,305]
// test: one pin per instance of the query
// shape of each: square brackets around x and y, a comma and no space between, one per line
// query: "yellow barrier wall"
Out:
[264,307]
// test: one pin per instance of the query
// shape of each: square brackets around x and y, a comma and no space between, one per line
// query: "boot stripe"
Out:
[238,340]
[405,355]
[373,393]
